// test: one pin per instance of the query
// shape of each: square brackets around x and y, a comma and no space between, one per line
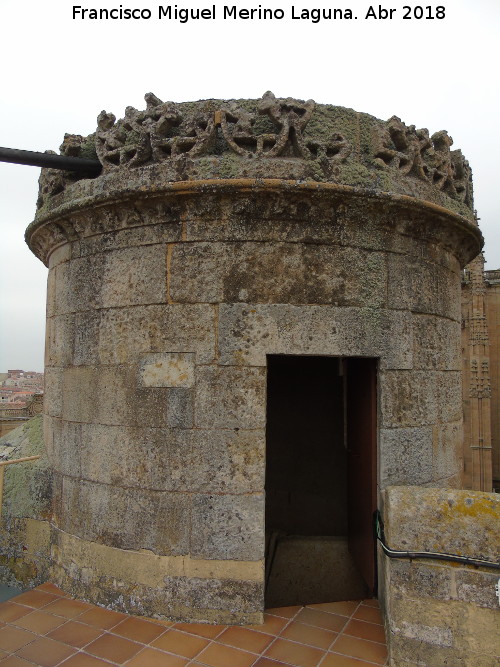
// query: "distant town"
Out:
[17,388]
[21,397]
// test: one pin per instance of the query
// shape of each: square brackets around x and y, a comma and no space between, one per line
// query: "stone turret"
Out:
[224,241]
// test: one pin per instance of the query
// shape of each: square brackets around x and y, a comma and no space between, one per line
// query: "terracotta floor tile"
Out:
[35,598]
[284,612]
[39,622]
[272,625]
[150,657]
[12,639]
[102,618]
[160,621]
[83,660]
[294,654]
[49,587]
[371,614]
[67,607]
[360,648]
[113,648]
[308,634]
[364,630]
[180,643]
[265,662]
[10,611]
[217,655]
[14,661]
[335,660]
[138,630]
[248,640]
[372,602]
[321,619]
[45,652]
[200,629]
[75,634]
[342,608]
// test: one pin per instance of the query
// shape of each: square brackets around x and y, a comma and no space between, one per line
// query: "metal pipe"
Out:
[455,558]
[64,162]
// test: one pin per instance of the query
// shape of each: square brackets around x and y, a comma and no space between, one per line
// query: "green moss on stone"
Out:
[27,485]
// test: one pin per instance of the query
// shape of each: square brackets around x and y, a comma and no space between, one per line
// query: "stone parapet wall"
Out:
[437,612]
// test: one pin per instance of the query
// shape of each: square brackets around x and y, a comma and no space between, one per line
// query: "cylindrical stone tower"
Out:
[231,255]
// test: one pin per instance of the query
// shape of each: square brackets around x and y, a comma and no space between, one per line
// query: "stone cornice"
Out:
[100,210]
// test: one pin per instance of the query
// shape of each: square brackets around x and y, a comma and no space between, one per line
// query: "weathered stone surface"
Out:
[60,255]
[276,273]
[436,343]
[225,461]
[81,400]
[228,526]
[128,276]
[477,587]
[408,399]
[138,457]
[249,332]
[127,334]
[65,446]
[171,369]
[109,515]
[59,340]
[86,342]
[134,276]
[447,449]
[443,633]
[405,456]
[422,287]
[408,652]
[127,238]
[51,293]
[180,408]
[81,284]
[228,461]
[230,397]
[448,521]
[449,388]
[53,395]
[109,395]
[418,579]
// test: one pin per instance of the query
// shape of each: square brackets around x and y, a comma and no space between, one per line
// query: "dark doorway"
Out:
[320,434]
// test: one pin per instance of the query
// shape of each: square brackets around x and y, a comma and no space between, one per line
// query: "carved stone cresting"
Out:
[277,138]
[53,181]
[162,132]
[412,151]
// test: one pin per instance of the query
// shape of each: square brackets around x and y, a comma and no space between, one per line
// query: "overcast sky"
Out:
[57,73]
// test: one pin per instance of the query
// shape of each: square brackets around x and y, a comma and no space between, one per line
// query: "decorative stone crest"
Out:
[412,151]
[162,132]
[276,138]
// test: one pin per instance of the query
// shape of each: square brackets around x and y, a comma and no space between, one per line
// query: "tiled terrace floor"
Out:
[46,627]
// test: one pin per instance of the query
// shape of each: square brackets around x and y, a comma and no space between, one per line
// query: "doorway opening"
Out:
[320,479]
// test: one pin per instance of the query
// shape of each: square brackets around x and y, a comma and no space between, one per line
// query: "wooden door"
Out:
[361,439]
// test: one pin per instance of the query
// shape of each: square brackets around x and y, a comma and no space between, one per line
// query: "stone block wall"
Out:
[437,612]
[156,378]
